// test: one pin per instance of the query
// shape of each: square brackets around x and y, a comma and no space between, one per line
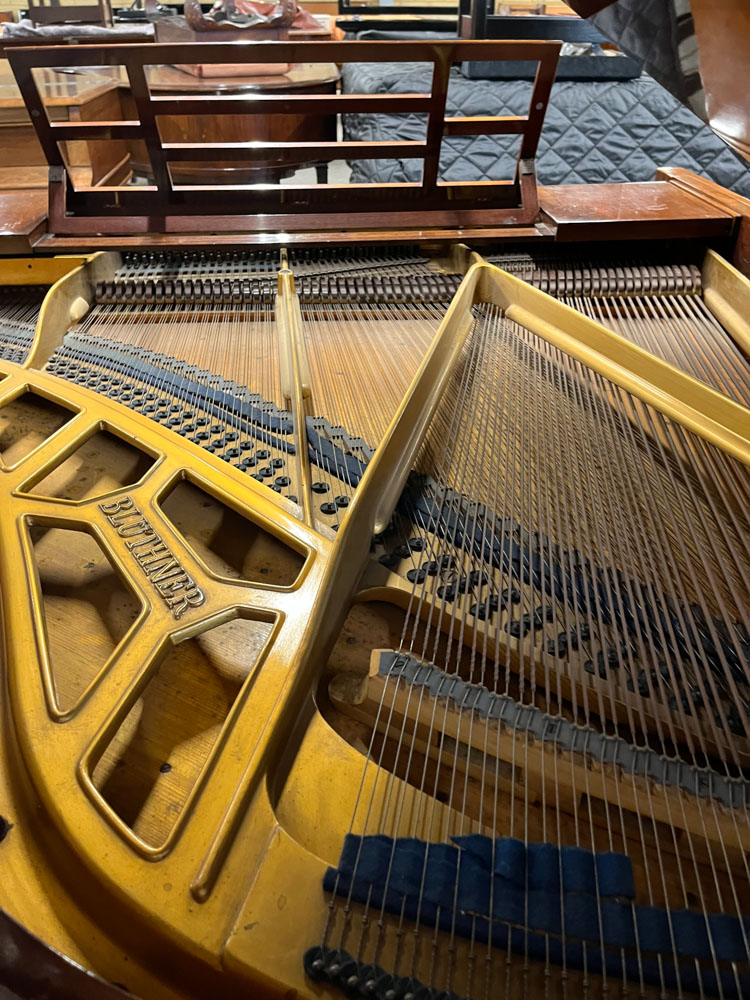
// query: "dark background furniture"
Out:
[478,20]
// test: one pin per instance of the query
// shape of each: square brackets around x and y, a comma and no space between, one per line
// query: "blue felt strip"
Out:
[374,858]
[539,865]
[474,885]
[455,882]
[479,846]
[690,934]
[349,853]
[653,929]
[510,860]
[508,904]
[440,874]
[614,875]
[407,865]
[540,946]
[729,942]
[577,870]
[544,912]
[544,867]
[581,917]
[618,924]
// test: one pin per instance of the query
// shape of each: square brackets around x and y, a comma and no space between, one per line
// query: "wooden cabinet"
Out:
[85,95]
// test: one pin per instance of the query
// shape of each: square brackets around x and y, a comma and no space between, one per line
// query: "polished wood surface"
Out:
[50,242]
[53,13]
[627,215]
[172,80]
[555,7]
[366,14]
[71,85]
[68,97]
[59,88]
[631,211]
[23,215]
[723,34]
[102,95]
[714,194]
[355,20]
[329,7]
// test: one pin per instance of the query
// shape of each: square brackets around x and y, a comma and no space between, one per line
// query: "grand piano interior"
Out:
[374,568]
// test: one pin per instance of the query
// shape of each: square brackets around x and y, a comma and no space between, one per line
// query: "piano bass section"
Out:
[375,616]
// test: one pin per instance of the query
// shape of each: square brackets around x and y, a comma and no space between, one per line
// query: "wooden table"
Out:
[87,95]
[23,220]
[102,94]
[313,78]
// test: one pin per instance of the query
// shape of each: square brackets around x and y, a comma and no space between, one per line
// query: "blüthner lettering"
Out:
[176,588]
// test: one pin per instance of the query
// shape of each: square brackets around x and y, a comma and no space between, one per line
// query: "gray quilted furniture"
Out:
[661,35]
[594,131]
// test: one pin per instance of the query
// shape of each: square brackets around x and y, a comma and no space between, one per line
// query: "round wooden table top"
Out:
[66,86]
[170,78]
[57,88]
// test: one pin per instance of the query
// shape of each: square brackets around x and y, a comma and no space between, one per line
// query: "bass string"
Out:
[524,491]
[527,408]
[667,798]
[682,805]
[465,465]
[459,455]
[590,820]
[724,353]
[681,330]
[671,570]
[728,483]
[368,805]
[567,506]
[706,536]
[323,325]
[417,593]
[717,469]
[600,521]
[511,458]
[360,803]
[540,494]
[488,376]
